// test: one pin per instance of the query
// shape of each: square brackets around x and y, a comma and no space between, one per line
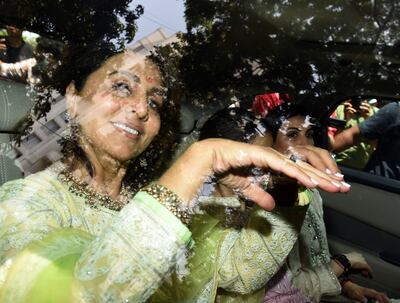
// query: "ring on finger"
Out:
[293,158]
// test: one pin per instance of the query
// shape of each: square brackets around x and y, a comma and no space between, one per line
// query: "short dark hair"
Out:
[235,124]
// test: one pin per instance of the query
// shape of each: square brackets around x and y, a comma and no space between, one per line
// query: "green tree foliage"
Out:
[311,48]
[78,21]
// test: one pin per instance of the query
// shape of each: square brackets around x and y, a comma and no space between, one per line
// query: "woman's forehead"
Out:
[297,121]
[129,61]
[138,67]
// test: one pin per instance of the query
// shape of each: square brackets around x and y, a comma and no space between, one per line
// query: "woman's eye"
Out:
[291,134]
[122,88]
[154,105]
[310,135]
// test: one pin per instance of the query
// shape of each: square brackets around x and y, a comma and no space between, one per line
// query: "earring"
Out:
[71,132]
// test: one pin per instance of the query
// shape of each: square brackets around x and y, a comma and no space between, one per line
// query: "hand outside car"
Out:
[362,294]
[3,46]
[359,264]
[349,110]
[365,110]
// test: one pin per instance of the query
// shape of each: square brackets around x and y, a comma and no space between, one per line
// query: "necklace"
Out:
[91,196]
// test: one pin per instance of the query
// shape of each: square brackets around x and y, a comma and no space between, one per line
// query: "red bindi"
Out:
[150,79]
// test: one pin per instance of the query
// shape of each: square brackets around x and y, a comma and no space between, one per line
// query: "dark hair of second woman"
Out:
[282,113]
[235,124]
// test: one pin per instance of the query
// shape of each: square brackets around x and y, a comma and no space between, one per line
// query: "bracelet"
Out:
[169,200]
[343,261]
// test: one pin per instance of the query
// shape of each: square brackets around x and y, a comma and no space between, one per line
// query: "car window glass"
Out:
[374,151]
[235,52]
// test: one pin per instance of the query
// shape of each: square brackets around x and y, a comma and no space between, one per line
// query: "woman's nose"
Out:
[302,140]
[139,107]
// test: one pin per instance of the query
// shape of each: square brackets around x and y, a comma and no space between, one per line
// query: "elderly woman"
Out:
[77,232]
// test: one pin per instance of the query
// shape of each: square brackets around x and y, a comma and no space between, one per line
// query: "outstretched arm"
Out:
[346,138]
[221,157]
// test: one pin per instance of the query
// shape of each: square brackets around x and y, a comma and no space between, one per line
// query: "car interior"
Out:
[366,219]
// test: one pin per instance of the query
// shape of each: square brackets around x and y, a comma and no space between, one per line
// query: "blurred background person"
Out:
[13,48]
[383,127]
[355,112]
[16,56]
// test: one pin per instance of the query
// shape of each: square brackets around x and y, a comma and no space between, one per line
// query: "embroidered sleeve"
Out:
[310,257]
[124,263]
[27,214]
[316,282]
[128,261]
[259,250]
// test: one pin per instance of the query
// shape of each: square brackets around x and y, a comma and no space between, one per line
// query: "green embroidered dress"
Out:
[55,248]
[235,254]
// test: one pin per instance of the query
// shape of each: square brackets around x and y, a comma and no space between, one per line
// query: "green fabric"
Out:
[53,245]
[175,225]
[46,288]
[217,270]
[255,297]
[207,234]
[38,271]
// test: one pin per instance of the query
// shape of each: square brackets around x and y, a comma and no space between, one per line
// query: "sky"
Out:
[160,13]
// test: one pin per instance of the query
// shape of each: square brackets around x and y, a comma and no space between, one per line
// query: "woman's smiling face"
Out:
[118,107]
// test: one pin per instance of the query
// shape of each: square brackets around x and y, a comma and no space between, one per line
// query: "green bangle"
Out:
[169,200]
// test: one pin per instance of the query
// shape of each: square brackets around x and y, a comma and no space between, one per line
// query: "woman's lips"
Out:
[130,131]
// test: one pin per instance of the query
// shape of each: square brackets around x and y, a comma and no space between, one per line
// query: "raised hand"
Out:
[349,110]
[319,158]
[366,110]
[3,46]
[227,158]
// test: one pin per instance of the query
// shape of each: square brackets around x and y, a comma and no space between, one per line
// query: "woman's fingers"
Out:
[330,179]
[250,189]
[366,273]
[256,194]
[267,158]
[366,270]
[294,170]
[370,293]
[359,296]
[222,157]
[316,178]
[320,159]
[359,263]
